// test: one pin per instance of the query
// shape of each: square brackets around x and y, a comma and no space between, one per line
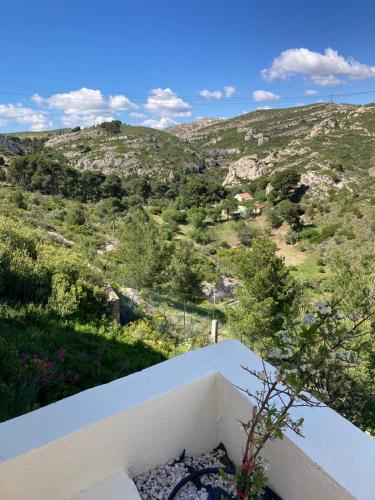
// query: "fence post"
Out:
[214,331]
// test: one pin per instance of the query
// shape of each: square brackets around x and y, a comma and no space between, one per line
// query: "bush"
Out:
[112,127]
[75,217]
[292,237]
[274,218]
[171,215]
[201,236]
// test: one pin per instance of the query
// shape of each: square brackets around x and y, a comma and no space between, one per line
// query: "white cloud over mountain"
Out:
[16,113]
[228,91]
[166,104]
[310,92]
[324,69]
[86,107]
[264,95]
[160,124]
[214,94]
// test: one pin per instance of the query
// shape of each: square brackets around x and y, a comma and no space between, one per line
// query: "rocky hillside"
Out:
[333,145]
[132,151]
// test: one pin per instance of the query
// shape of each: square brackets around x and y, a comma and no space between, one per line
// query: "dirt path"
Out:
[291,254]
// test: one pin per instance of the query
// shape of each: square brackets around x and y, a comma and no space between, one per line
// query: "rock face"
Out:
[247,167]
[9,146]
[215,292]
[319,185]
[186,130]
[113,303]
[323,127]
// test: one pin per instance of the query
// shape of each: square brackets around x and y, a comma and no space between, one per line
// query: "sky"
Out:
[68,63]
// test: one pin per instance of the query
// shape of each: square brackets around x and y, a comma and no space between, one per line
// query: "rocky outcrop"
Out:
[192,130]
[9,146]
[324,127]
[319,185]
[247,168]
[113,303]
[224,288]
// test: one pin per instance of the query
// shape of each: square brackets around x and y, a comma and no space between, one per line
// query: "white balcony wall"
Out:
[84,445]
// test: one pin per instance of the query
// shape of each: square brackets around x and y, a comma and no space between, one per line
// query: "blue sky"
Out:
[67,63]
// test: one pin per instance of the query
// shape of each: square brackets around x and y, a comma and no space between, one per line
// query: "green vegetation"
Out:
[156,224]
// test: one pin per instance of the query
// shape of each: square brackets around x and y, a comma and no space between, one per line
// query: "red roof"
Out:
[245,196]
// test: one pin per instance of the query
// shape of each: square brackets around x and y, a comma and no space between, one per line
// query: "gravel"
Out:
[158,483]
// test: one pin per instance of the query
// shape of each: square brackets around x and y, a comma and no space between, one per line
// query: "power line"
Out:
[198,100]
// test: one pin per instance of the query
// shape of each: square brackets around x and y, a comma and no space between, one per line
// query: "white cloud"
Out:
[121,103]
[137,115]
[320,68]
[38,99]
[165,103]
[164,122]
[229,91]
[261,108]
[325,80]
[214,94]
[218,94]
[86,107]
[310,92]
[22,115]
[264,95]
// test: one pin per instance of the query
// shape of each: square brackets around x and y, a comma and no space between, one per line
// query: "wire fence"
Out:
[189,320]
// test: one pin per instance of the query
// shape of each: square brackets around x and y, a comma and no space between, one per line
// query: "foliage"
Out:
[75,217]
[304,352]
[112,127]
[185,280]
[267,288]
[284,183]
[143,252]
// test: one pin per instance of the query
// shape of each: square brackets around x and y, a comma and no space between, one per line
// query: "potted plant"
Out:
[304,353]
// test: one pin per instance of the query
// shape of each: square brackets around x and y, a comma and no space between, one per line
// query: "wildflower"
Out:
[323,307]
[354,316]
[308,319]
[340,315]
[277,353]
[61,353]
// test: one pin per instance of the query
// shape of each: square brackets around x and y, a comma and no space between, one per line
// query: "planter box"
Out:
[87,446]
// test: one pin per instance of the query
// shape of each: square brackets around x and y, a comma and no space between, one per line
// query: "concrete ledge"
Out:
[146,418]
[117,487]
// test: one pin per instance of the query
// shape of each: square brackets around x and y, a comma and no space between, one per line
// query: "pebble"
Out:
[158,483]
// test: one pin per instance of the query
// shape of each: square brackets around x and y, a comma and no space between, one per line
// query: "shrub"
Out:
[75,217]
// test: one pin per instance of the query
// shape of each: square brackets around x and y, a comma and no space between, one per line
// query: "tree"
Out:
[230,204]
[284,183]
[46,177]
[90,183]
[112,127]
[290,212]
[173,216]
[185,280]
[109,209]
[196,217]
[267,289]
[111,187]
[143,252]
[21,170]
